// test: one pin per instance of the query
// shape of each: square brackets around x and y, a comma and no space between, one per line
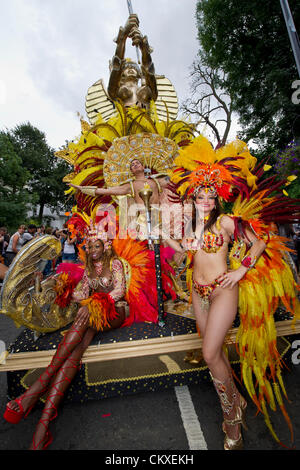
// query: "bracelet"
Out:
[247,262]
[89,190]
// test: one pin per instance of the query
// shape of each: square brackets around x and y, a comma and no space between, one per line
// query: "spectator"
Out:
[288,231]
[15,244]
[3,271]
[40,231]
[69,251]
[30,233]
[56,233]
[4,241]
[50,266]
[296,238]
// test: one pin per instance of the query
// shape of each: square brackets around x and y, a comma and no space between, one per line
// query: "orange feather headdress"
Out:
[224,172]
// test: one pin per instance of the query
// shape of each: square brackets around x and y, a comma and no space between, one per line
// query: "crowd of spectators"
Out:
[11,244]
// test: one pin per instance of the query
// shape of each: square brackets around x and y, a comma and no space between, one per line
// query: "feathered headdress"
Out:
[223,172]
[90,228]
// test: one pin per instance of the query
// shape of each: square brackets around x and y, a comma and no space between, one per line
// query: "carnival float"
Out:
[135,119]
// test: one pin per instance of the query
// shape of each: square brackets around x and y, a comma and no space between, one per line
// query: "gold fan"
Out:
[154,152]
[26,299]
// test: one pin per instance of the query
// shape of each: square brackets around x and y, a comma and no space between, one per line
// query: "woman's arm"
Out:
[119,282]
[258,246]
[82,290]
[71,241]
[177,246]
[15,242]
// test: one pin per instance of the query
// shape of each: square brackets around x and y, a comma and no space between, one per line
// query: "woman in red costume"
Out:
[99,293]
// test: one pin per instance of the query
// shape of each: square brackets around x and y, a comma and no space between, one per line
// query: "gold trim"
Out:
[149,376]
[135,348]
[140,377]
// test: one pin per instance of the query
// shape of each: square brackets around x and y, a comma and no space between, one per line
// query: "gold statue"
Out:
[133,84]
[125,74]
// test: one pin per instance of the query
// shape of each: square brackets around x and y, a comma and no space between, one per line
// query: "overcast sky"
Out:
[53,50]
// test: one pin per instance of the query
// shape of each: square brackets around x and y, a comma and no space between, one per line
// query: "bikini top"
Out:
[210,243]
[103,282]
[100,281]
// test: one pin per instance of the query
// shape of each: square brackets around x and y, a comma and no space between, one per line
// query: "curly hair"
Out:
[107,256]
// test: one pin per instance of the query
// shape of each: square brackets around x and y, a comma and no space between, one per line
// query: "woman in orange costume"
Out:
[206,177]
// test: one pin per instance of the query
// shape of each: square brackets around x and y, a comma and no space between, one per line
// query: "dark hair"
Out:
[135,160]
[213,216]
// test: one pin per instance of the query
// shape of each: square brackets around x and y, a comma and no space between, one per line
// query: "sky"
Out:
[54,50]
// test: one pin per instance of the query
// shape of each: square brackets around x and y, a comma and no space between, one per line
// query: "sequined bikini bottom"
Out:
[205,291]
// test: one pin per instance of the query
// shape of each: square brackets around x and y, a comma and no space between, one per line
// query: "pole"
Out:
[160,303]
[145,195]
[130,9]
[294,38]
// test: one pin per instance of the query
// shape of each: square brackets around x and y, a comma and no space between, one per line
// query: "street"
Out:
[177,421]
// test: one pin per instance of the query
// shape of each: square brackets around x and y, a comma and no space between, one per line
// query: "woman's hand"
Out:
[230,279]
[75,186]
[82,317]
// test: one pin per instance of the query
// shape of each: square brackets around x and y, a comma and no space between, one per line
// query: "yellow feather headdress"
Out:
[219,171]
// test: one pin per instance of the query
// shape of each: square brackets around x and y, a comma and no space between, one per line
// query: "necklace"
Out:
[203,220]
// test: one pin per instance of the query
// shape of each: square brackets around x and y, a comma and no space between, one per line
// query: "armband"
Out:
[89,190]
[248,263]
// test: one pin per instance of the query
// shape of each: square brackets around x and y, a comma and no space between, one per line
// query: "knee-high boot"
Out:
[61,381]
[28,399]
[233,407]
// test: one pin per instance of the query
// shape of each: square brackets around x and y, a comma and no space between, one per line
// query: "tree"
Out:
[249,41]
[46,172]
[287,164]
[14,197]
[209,104]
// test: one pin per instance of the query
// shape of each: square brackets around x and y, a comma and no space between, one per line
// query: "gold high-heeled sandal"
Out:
[227,407]
[239,419]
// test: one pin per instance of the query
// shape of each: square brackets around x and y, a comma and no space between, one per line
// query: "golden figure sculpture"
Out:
[132,84]
[125,74]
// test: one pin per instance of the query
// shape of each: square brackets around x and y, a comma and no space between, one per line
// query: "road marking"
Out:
[189,416]
[190,420]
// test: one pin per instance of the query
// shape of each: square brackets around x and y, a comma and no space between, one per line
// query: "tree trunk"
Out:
[41,211]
